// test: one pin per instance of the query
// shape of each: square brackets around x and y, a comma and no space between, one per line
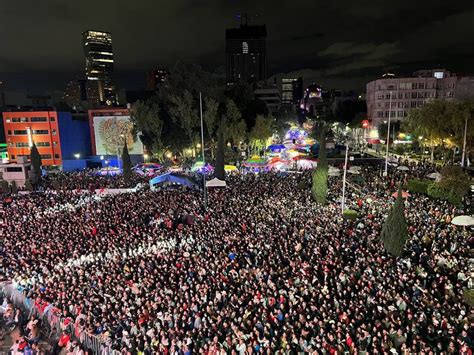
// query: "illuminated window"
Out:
[245,47]
[39,119]
[438,74]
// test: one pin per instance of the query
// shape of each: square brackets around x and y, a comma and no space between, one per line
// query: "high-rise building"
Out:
[291,90]
[100,63]
[412,92]
[246,53]
[82,94]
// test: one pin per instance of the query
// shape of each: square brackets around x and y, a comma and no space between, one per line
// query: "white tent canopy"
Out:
[333,171]
[216,183]
[463,221]
[403,168]
[435,176]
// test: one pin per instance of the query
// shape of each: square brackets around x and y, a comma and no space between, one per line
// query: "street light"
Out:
[77,155]
[344,178]
[388,135]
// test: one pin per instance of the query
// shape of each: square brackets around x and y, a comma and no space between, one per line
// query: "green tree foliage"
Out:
[441,123]
[219,168]
[148,125]
[250,107]
[261,131]
[28,185]
[4,188]
[320,175]
[185,114]
[455,180]
[210,117]
[36,163]
[418,186]
[468,296]
[395,230]
[350,214]
[13,187]
[126,163]
[234,128]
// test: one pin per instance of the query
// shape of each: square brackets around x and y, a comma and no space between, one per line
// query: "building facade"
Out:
[100,63]
[82,94]
[291,90]
[409,93]
[110,128]
[246,54]
[57,135]
[271,96]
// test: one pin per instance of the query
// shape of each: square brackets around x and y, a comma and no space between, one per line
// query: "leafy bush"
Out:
[455,181]
[436,191]
[468,296]
[418,186]
[13,187]
[350,214]
[4,187]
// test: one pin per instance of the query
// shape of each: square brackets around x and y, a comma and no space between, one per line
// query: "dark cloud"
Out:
[343,41]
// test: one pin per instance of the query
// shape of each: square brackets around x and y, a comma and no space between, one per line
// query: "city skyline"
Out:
[343,45]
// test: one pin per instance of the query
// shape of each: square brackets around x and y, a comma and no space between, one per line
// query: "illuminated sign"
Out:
[365,124]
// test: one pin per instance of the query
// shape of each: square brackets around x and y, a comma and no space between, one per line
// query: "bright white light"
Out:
[77,155]
[101,157]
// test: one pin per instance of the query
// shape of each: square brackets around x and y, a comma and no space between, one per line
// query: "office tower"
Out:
[246,53]
[100,63]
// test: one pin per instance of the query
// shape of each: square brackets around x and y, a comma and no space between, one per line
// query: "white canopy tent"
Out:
[216,183]
[463,221]
[435,176]
[403,168]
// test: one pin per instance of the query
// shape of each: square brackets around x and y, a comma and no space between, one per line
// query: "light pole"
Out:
[344,179]
[203,157]
[388,135]
[464,144]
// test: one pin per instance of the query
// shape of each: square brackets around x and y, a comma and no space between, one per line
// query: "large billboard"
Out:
[111,132]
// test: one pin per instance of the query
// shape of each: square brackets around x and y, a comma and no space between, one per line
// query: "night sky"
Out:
[338,43]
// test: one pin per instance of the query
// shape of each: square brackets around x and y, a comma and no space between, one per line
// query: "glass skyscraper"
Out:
[100,63]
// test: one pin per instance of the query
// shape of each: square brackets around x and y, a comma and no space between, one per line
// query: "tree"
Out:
[455,181]
[148,124]
[36,163]
[4,188]
[234,128]
[320,175]
[210,117]
[13,187]
[261,131]
[126,163]
[219,169]
[185,114]
[433,122]
[28,185]
[395,231]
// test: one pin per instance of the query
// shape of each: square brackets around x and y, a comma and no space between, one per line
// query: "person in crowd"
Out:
[262,270]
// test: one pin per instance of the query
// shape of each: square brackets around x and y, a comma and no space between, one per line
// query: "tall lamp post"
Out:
[464,144]
[343,202]
[203,157]
[388,135]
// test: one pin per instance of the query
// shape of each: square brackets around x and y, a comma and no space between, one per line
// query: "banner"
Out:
[111,132]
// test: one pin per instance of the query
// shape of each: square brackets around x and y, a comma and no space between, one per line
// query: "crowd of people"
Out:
[263,269]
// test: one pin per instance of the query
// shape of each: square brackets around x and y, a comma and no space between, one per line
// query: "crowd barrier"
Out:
[54,325]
